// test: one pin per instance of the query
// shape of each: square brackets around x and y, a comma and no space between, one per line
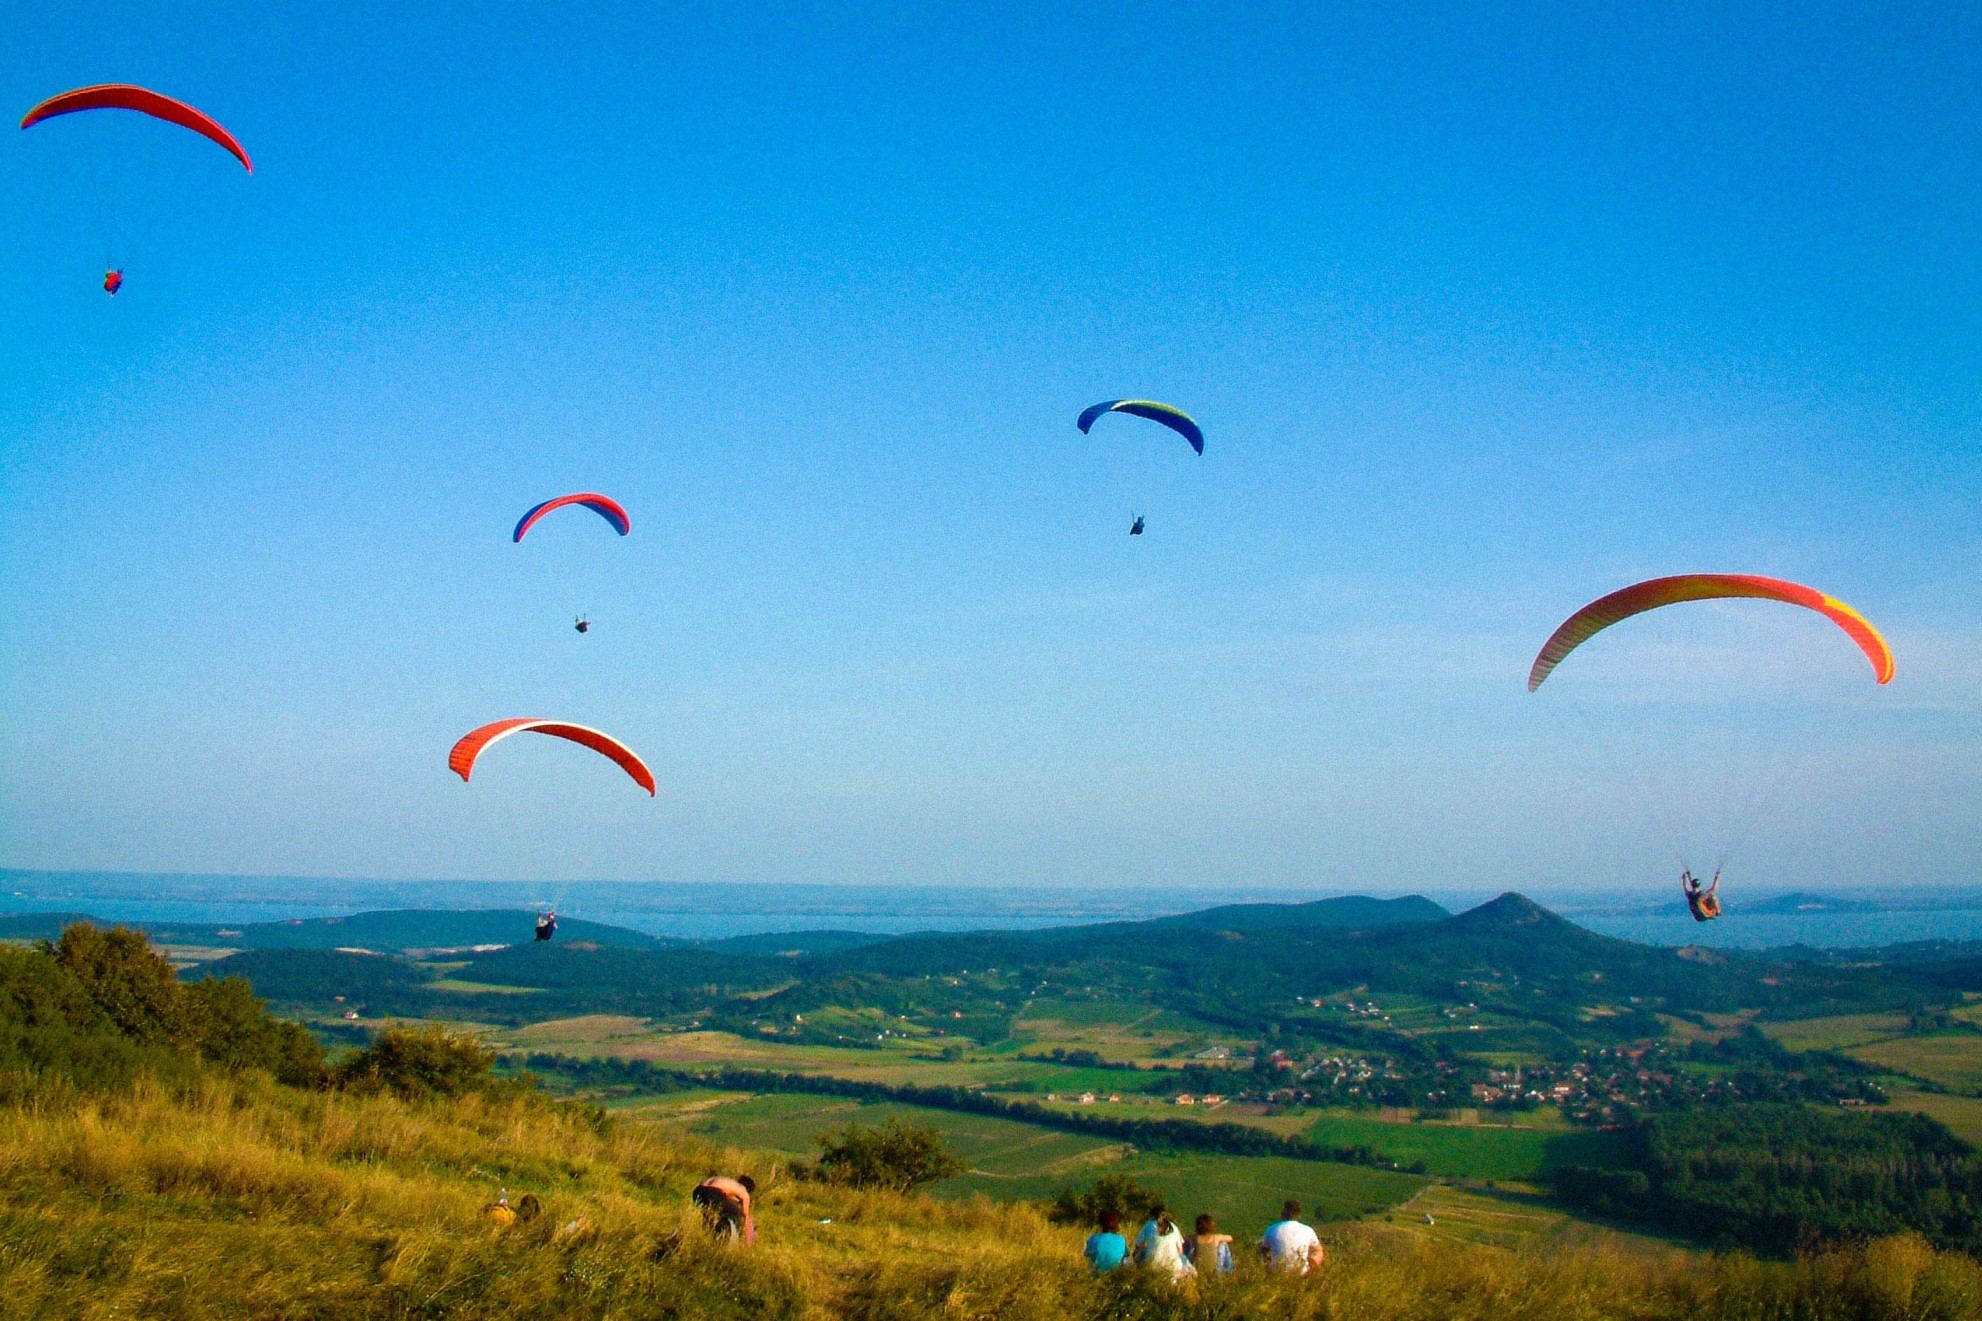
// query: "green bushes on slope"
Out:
[98,1008]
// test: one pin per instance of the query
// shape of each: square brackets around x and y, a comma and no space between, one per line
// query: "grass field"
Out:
[893,1061]
[1961,1114]
[1952,1061]
[1443,1213]
[1009,1161]
[1461,1151]
[1840,1033]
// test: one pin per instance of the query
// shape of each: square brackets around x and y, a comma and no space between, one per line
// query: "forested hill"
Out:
[395,930]
[1157,941]
[1529,979]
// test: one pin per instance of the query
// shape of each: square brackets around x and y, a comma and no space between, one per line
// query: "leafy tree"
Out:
[129,984]
[895,1155]
[1119,1193]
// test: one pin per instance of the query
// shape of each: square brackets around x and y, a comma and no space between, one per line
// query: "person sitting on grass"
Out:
[725,1205]
[1208,1250]
[1160,1245]
[1106,1248]
[1288,1245]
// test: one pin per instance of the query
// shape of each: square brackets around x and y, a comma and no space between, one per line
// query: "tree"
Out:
[894,1155]
[1111,1192]
[419,1062]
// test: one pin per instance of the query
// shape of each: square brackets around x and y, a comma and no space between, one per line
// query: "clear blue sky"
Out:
[1485,311]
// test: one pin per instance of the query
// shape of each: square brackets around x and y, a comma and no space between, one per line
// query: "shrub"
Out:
[419,1062]
[895,1155]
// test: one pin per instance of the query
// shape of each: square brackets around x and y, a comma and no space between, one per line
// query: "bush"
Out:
[1111,1192]
[418,1063]
[895,1155]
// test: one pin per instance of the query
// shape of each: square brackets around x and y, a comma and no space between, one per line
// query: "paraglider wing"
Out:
[604,506]
[124,96]
[1640,597]
[462,759]
[1174,418]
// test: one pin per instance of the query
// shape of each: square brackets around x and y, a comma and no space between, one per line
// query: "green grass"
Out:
[1839,1033]
[1009,1161]
[482,988]
[1961,1114]
[1952,1061]
[1516,1154]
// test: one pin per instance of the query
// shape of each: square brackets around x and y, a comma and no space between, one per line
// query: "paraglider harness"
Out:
[547,926]
[1703,902]
[1135,528]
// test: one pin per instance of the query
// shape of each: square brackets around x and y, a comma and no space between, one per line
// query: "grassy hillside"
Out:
[238,1198]
[173,1176]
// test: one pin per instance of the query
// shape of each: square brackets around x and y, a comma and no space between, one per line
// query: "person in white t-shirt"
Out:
[1288,1245]
[1160,1246]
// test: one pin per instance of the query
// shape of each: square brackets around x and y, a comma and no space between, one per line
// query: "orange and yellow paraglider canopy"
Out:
[1601,613]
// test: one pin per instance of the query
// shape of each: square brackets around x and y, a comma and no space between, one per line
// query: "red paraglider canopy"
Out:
[603,505]
[462,759]
[125,96]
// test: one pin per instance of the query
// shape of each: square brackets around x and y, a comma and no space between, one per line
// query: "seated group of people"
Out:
[1287,1245]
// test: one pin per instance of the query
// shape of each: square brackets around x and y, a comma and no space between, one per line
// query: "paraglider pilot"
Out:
[113,280]
[582,624]
[547,926]
[1702,900]
[1135,528]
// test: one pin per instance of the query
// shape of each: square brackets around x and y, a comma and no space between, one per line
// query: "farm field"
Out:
[1961,1114]
[1951,1061]
[1115,1030]
[1517,1224]
[1474,1151]
[1840,1033]
[1009,1161]
[1286,1124]
[599,1036]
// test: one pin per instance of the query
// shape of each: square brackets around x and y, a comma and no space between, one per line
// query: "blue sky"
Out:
[1483,313]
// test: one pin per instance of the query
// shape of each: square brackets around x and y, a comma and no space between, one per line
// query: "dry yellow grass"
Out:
[237,1198]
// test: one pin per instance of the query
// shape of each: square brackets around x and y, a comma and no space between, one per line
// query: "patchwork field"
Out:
[1010,1161]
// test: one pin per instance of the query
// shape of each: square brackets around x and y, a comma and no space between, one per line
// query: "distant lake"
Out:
[715,911]
[1771,930]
